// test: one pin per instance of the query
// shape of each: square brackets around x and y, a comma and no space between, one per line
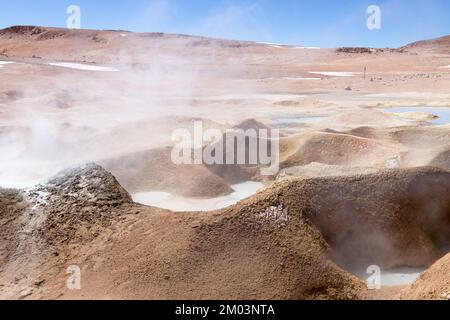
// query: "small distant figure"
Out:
[365,71]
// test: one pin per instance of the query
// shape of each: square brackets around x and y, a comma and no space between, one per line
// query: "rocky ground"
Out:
[432,285]
[270,246]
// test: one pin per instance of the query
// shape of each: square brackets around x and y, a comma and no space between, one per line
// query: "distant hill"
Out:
[102,46]
[441,45]
[48,33]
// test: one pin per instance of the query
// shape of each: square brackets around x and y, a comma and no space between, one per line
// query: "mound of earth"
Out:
[438,45]
[19,249]
[252,251]
[247,256]
[279,244]
[334,149]
[12,204]
[417,137]
[364,117]
[245,137]
[154,170]
[442,160]
[392,218]
[88,194]
[73,207]
[314,170]
[421,137]
[364,132]
[235,255]
[434,284]
[251,124]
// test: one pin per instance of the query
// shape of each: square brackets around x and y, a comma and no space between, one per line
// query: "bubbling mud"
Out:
[395,277]
[165,200]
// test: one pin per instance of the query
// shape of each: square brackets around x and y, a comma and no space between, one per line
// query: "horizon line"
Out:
[222,39]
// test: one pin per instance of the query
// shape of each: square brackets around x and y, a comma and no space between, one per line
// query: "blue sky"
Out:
[324,23]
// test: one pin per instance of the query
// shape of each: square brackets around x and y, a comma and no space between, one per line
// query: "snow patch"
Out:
[300,78]
[4,63]
[335,73]
[307,48]
[278,45]
[86,67]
